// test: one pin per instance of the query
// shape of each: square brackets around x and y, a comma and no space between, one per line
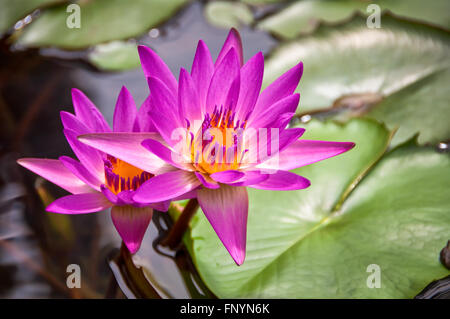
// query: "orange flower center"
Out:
[121,176]
[215,147]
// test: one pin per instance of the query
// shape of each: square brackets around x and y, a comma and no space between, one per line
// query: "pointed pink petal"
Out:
[125,112]
[233,40]
[233,93]
[251,80]
[201,72]
[55,172]
[131,224]
[127,147]
[283,120]
[71,122]
[289,136]
[143,123]
[283,181]
[121,199]
[188,100]
[250,178]
[284,86]
[154,66]
[226,209]
[227,177]
[126,197]
[274,144]
[207,181]
[166,186]
[286,138]
[164,110]
[161,206]
[88,113]
[91,158]
[270,116]
[166,154]
[80,204]
[304,152]
[222,81]
[81,172]
[188,195]
[110,195]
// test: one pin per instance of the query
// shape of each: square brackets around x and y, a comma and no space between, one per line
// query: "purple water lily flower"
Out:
[98,180]
[222,96]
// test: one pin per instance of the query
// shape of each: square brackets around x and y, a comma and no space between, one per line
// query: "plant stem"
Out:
[176,233]
[111,291]
[134,277]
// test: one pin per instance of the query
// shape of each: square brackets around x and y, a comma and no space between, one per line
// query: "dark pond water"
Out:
[35,246]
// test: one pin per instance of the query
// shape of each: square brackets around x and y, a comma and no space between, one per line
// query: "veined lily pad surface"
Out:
[383,208]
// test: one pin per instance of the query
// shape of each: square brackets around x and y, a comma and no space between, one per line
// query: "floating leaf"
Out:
[302,17]
[420,107]
[101,21]
[226,15]
[115,56]
[318,243]
[13,11]
[366,65]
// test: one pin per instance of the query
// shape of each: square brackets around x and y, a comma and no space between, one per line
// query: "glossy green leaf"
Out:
[397,219]
[421,107]
[302,17]
[12,11]
[352,58]
[101,21]
[115,56]
[227,15]
[368,65]
[304,244]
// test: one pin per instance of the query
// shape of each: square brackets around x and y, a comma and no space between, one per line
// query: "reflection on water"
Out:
[36,247]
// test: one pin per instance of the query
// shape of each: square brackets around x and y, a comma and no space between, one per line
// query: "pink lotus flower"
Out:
[223,97]
[99,181]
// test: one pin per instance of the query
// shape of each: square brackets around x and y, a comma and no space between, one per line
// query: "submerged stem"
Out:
[176,233]
[134,276]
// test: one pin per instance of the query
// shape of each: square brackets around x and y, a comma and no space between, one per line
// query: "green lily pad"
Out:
[319,242]
[13,11]
[227,15]
[101,21]
[305,244]
[303,17]
[421,107]
[396,219]
[115,56]
[369,65]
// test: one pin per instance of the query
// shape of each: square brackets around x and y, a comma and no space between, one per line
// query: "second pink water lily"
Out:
[222,96]
[98,180]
